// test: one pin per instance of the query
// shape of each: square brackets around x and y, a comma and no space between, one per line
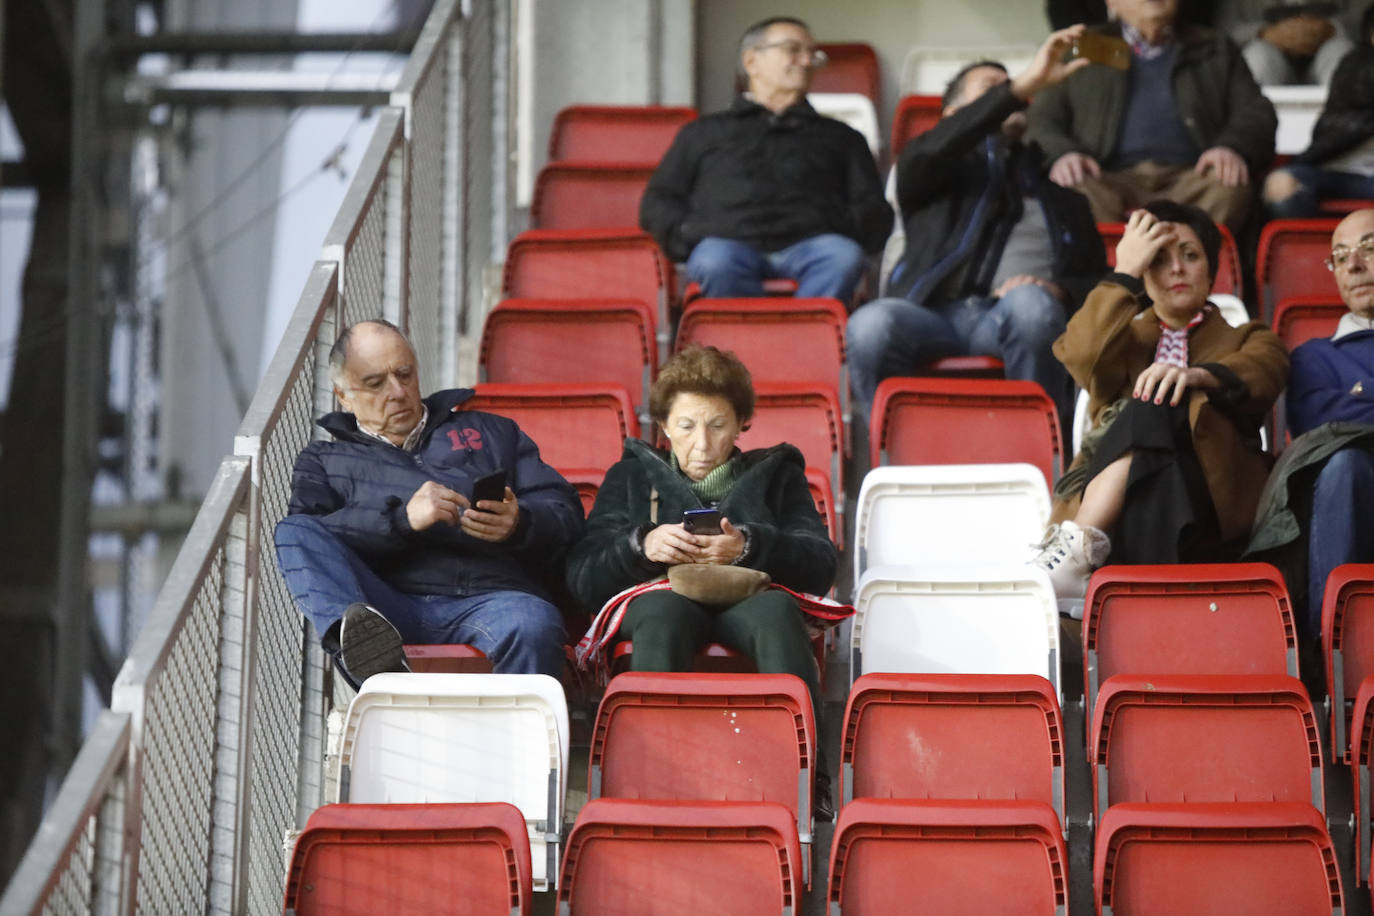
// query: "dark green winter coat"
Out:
[787,537]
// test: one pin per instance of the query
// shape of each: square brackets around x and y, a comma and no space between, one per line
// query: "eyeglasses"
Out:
[796,49]
[1364,248]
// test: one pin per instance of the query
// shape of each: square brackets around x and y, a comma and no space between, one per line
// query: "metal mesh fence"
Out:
[225,688]
[178,758]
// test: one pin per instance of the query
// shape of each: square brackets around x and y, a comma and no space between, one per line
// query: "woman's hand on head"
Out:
[721,549]
[1145,234]
[1164,380]
[671,545]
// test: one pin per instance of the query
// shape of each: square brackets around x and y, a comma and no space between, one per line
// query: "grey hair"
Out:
[754,35]
[338,354]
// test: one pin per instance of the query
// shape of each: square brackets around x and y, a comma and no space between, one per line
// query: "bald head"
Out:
[1352,254]
[373,369]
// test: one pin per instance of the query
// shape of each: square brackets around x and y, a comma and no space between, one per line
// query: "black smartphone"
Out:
[489,486]
[701,521]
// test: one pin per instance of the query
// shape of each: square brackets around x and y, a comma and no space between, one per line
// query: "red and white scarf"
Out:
[1173,342]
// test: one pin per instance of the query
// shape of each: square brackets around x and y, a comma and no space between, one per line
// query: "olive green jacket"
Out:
[770,498]
[1217,98]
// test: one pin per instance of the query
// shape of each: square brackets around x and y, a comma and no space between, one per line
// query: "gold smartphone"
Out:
[1101,49]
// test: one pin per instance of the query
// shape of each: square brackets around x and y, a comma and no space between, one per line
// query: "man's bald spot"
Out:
[1353,228]
[343,346]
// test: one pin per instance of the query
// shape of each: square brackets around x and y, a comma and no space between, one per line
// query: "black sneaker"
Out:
[369,644]
[822,800]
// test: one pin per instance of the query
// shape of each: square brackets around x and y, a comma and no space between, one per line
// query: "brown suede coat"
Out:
[1112,339]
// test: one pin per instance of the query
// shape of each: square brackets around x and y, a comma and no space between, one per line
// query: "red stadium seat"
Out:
[1291,260]
[1298,319]
[592,263]
[628,134]
[965,367]
[630,857]
[915,115]
[369,859]
[853,67]
[1228,281]
[780,340]
[1347,645]
[965,421]
[588,195]
[706,737]
[955,858]
[1262,859]
[1201,738]
[575,426]
[576,341]
[953,736]
[1361,755]
[806,415]
[818,482]
[587,482]
[447,659]
[1205,618]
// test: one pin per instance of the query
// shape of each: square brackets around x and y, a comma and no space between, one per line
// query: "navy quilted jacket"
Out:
[359,487]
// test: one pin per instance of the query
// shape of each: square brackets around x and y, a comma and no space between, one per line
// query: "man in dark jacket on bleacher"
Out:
[769,188]
[996,255]
[383,545]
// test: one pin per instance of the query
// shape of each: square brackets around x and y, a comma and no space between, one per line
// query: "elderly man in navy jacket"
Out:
[383,543]
[1333,380]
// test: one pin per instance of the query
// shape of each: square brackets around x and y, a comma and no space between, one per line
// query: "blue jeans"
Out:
[827,266]
[521,633]
[1316,184]
[1342,528]
[893,337]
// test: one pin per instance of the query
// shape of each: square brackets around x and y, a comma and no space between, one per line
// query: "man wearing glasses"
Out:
[769,188]
[1330,409]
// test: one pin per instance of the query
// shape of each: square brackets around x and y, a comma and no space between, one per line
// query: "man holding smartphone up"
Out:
[422,522]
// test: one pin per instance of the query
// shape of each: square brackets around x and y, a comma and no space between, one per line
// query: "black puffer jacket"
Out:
[787,538]
[1348,118]
[958,218]
[359,486]
[770,180]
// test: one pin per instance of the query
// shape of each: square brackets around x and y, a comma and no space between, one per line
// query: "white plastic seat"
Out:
[950,515]
[419,738]
[977,620]
[854,109]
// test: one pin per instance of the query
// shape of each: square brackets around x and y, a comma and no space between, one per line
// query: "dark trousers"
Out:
[668,630]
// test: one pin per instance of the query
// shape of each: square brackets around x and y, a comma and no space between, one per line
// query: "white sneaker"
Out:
[1070,554]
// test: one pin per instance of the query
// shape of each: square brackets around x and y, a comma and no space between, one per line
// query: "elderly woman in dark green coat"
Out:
[702,401]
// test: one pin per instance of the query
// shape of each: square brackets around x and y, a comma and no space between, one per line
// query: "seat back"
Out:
[852,67]
[818,482]
[366,859]
[779,339]
[588,195]
[625,134]
[659,736]
[915,115]
[1290,261]
[953,736]
[729,858]
[975,620]
[421,738]
[956,858]
[1200,738]
[1298,319]
[806,415]
[1347,644]
[965,421]
[854,109]
[571,341]
[575,426]
[950,515]
[1203,618]
[1229,279]
[1258,858]
[1361,755]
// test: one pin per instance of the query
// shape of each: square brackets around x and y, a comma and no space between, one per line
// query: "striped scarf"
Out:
[712,488]
[1173,342]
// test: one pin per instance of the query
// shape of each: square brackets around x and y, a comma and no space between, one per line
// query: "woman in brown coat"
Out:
[1173,468]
